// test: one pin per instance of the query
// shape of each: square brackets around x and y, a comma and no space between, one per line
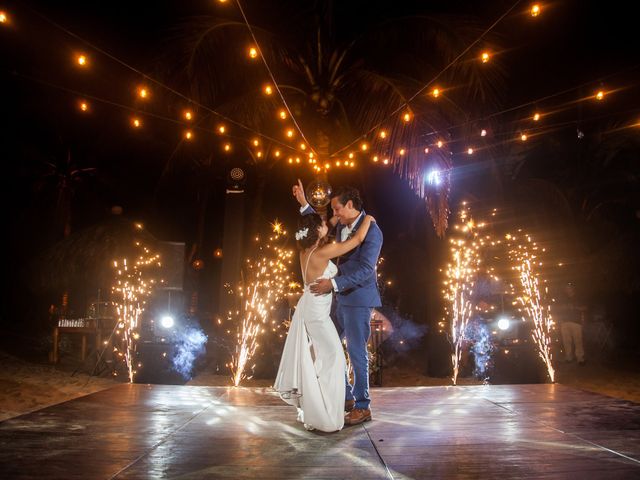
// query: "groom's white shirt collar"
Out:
[347,229]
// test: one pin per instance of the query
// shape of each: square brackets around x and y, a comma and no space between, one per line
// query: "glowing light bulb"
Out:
[3,17]
[259,154]
[375,158]
[406,117]
[227,147]
[187,114]
[282,114]
[535,10]
[303,146]
[383,134]
[402,151]
[338,163]
[483,133]
[523,137]
[136,122]
[386,161]
[222,129]
[470,151]
[435,92]
[364,147]
[350,155]
[143,92]
[485,57]
[255,142]
[84,106]
[188,135]
[439,143]
[297,159]
[268,89]
[600,95]
[276,153]
[426,150]
[536,117]
[289,133]
[290,160]
[82,60]
[253,52]
[327,165]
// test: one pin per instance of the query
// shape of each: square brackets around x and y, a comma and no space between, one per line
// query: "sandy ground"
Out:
[26,386]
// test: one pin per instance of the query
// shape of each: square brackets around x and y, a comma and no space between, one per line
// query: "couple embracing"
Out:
[313,374]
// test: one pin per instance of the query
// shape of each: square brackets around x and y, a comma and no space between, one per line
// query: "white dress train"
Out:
[312,368]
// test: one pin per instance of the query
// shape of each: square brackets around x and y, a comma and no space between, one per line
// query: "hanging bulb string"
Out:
[425,86]
[151,79]
[273,79]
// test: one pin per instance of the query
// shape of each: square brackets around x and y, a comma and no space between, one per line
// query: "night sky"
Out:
[573,44]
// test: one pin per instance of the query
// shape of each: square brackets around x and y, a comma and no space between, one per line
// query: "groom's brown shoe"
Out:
[357,415]
[348,405]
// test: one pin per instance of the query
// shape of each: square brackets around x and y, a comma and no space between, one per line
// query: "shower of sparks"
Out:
[266,279]
[131,289]
[525,255]
[461,273]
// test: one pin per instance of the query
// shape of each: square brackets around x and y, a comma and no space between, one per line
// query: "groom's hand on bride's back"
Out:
[321,286]
[298,193]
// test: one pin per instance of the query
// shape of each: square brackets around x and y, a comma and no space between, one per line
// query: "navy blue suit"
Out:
[357,295]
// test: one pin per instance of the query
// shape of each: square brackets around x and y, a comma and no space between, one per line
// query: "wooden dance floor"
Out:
[181,432]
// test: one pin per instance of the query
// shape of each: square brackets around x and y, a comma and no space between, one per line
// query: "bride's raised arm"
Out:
[333,250]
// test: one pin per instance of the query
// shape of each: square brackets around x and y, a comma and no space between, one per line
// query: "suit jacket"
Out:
[357,279]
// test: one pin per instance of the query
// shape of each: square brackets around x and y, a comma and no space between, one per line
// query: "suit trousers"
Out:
[354,324]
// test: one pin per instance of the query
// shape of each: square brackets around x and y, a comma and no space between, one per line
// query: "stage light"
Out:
[503,324]
[167,321]
[433,177]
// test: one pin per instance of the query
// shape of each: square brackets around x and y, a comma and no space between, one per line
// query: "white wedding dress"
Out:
[312,368]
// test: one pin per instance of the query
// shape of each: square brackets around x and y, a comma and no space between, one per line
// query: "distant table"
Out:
[81,326]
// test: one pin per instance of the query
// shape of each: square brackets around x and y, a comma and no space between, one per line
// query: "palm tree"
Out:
[341,80]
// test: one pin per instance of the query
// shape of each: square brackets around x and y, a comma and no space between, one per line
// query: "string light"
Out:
[3,17]
[136,122]
[535,10]
[290,133]
[82,60]
[143,92]
[227,147]
[483,133]
[600,95]
[188,115]
[383,134]
[407,117]
[304,147]
[255,142]
[253,52]
[84,106]
[364,147]
[282,114]
[536,117]
[523,137]
[469,151]
[435,92]
[439,144]
[485,57]
[221,129]
[426,150]
[375,158]
[276,153]
[188,135]
[268,89]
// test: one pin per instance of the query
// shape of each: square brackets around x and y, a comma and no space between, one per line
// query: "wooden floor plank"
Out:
[151,432]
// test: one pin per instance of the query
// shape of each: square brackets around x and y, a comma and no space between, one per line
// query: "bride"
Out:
[312,368]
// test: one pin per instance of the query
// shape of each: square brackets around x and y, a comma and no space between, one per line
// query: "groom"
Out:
[356,292]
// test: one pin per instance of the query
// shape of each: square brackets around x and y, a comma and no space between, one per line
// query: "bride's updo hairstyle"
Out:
[307,232]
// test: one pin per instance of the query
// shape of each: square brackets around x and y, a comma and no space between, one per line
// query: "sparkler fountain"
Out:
[525,256]
[265,281]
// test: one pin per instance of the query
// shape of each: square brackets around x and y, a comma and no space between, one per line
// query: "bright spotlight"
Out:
[434,177]
[503,324]
[167,321]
